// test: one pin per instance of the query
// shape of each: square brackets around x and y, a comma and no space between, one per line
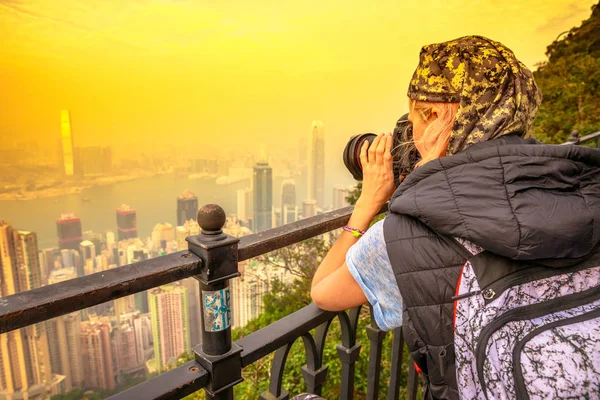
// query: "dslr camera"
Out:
[404,152]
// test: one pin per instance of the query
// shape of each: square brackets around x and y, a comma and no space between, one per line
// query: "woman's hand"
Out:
[378,173]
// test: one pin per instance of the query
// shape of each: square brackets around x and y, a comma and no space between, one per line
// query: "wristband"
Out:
[356,232]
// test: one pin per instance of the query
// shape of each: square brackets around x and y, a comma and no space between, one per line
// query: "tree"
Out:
[569,82]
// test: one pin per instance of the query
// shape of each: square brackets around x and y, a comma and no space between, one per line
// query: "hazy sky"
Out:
[237,72]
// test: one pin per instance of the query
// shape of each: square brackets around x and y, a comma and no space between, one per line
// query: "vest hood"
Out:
[513,197]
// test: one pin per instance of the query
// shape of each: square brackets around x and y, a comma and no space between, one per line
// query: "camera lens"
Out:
[404,151]
[352,153]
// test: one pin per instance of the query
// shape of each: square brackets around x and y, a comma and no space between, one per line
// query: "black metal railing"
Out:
[213,259]
[575,139]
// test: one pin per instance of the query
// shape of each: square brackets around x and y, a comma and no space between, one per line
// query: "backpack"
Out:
[525,330]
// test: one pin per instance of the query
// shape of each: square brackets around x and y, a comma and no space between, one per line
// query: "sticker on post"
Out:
[217,310]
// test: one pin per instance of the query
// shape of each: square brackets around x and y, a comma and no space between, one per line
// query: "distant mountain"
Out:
[570,83]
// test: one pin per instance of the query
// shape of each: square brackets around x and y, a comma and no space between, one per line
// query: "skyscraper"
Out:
[187,207]
[170,323]
[68,228]
[67,143]
[64,341]
[24,357]
[126,222]
[263,196]
[316,165]
[88,254]
[97,354]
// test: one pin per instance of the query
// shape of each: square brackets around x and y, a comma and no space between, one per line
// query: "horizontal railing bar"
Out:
[589,137]
[583,139]
[37,305]
[268,339]
[272,239]
[174,384]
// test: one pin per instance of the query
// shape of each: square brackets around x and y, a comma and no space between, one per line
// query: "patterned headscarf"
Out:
[496,92]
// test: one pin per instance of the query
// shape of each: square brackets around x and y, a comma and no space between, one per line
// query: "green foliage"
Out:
[570,83]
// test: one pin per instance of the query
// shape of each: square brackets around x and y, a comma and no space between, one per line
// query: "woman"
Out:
[479,182]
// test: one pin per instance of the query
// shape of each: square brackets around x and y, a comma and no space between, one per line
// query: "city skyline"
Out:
[121,119]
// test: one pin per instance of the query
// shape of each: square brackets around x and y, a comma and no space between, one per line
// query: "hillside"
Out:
[569,81]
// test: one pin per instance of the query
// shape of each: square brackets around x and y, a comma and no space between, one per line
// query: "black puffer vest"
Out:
[426,269]
[510,196]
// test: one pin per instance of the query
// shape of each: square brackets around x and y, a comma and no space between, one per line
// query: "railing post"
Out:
[574,138]
[218,251]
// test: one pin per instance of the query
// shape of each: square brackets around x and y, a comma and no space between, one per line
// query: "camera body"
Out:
[404,152]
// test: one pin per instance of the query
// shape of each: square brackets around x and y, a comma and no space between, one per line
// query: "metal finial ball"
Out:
[211,218]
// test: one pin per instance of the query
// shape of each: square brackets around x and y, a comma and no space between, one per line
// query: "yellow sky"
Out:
[236,72]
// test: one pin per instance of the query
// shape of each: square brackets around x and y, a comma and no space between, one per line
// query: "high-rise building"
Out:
[50,260]
[126,222]
[64,342]
[25,369]
[170,323]
[309,208]
[263,196]
[244,204]
[129,340]
[28,263]
[97,354]
[72,258]
[88,255]
[316,165]
[187,207]
[68,228]
[161,234]
[110,240]
[340,193]
[67,143]
[95,237]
